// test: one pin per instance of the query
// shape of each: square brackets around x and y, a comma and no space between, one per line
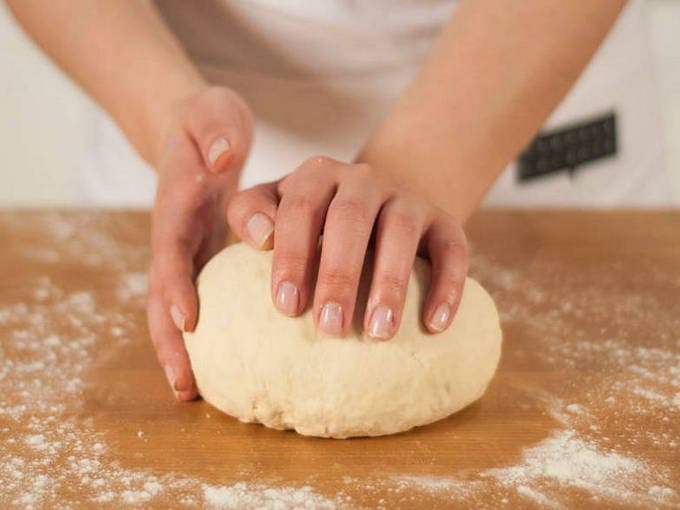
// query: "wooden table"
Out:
[584,410]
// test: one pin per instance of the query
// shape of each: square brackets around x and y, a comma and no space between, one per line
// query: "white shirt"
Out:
[319,77]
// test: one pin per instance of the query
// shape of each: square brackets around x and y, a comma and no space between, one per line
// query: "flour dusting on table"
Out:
[53,456]
[633,383]
[50,457]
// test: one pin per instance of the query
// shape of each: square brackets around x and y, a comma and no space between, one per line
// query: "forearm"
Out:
[496,72]
[122,54]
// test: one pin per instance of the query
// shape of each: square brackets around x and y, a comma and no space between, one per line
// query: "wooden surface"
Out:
[584,411]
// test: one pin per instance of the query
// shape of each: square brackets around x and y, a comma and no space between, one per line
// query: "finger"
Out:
[169,344]
[448,251]
[175,310]
[251,215]
[175,241]
[299,219]
[177,271]
[400,228]
[217,231]
[221,126]
[173,304]
[347,231]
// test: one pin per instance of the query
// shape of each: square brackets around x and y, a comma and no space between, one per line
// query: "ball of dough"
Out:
[258,365]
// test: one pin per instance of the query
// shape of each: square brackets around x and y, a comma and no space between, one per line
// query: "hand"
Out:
[348,202]
[207,141]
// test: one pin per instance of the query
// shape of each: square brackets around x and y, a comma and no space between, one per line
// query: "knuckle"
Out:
[290,263]
[316,161]
[404,222]
[339,280]
[192,196]
[392,283]
[300,205]
[352,210]
[449,249]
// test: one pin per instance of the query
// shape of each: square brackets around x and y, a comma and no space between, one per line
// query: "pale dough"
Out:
[252,362]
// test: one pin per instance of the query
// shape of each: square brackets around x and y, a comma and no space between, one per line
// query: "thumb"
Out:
[220,122]
[252,213]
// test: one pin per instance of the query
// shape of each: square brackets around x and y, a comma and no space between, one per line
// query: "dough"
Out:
[258,365]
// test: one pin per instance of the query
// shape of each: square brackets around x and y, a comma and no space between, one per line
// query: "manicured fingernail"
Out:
[382,321]
[330,320]
[440,317]
[217,149]
[170,376]
[259,227]
[178,318]
[287,298]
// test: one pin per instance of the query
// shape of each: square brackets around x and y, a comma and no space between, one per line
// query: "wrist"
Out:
[415,172]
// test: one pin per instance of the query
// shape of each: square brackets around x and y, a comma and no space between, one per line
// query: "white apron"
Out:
[319,77]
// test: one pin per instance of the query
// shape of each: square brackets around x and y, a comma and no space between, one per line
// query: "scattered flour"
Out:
[561,462]
[629,383]
[535,495]
[454,488]
[132,285]
[243,496]
[50,458]
[564,460]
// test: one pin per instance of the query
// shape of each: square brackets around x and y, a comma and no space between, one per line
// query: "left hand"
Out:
[204,148]
[347,202]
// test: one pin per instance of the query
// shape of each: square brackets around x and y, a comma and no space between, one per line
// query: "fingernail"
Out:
[170,376]
[178,317]
[259,227]
[217,149]
[440,317]
[287,298]
[331,318]
[381,323]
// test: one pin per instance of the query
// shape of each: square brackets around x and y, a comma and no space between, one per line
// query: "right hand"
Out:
[205,146]
[353,205]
